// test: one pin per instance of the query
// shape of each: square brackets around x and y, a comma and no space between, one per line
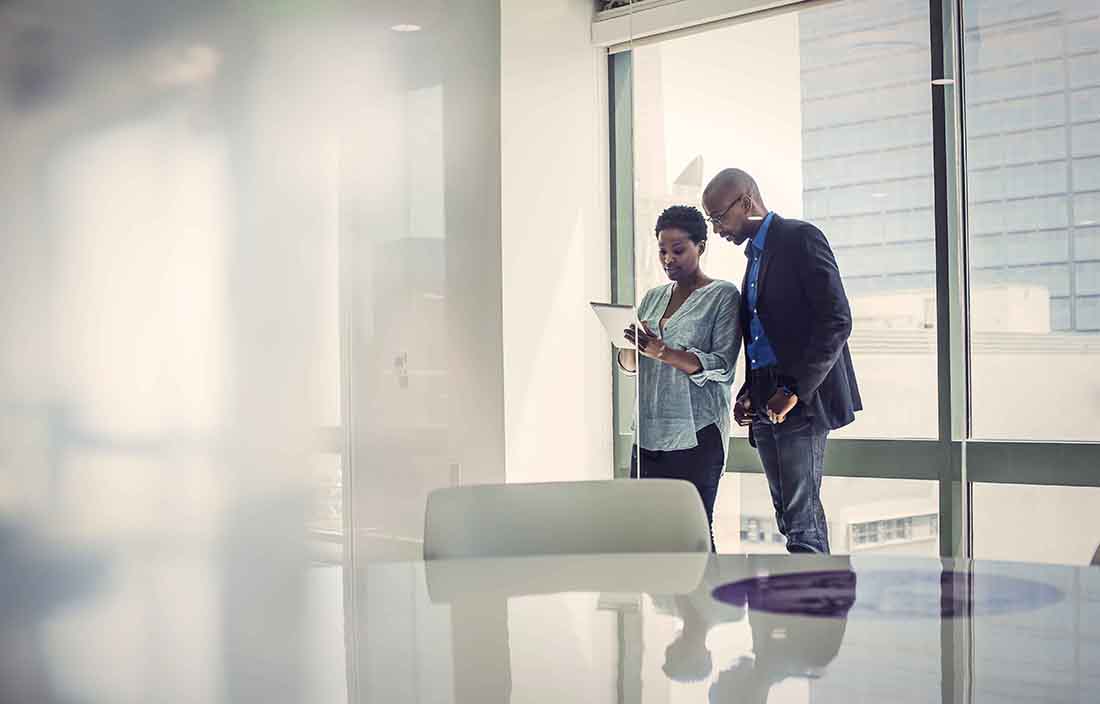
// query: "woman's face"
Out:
[678,254]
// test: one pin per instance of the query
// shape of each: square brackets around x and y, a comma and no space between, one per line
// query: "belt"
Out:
[769,375]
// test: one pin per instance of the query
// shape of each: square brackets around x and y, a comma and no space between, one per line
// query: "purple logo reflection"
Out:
[888,594]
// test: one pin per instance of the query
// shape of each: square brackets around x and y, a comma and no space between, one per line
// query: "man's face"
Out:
[728,213]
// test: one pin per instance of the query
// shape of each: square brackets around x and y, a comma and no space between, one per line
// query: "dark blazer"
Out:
[805,313]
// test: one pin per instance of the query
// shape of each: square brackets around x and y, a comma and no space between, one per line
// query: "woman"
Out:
[688,344]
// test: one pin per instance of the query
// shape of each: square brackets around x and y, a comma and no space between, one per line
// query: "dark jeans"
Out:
[701,465]
[793,455]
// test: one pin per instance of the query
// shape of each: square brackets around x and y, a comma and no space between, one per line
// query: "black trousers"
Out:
[701,465]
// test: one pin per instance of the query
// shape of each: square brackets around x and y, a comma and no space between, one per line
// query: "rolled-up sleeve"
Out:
[720,362]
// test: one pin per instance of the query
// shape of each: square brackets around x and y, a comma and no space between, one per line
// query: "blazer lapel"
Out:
[744,307]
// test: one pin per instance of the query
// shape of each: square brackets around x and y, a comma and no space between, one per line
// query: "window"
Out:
[1019,522]
[841,134]
[885,516]
[1032,99]
[846,96]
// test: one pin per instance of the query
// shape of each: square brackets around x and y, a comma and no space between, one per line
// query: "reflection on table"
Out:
[728,629]
[226,624]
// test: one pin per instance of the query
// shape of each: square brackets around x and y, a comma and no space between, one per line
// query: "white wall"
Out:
[420,230]
[555,244]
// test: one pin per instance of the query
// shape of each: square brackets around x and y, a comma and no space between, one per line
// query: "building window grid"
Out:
[760,530]
[1068,300]
[893,531]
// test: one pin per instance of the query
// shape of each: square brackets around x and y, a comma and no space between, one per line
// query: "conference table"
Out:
[728,628]
[166,624]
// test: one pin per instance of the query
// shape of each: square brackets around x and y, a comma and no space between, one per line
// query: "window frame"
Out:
[955,459]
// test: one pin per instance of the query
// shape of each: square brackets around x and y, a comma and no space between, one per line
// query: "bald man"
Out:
[799,378]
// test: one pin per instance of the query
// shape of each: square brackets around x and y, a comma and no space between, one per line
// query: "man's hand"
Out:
[742,411]
[780,404]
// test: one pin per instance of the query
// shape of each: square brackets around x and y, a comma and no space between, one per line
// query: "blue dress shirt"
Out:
[761,353]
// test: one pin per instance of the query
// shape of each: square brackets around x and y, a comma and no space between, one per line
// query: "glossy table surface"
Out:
[684,628]
[222,625]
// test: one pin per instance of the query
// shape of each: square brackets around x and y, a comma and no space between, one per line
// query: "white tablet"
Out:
[615,319]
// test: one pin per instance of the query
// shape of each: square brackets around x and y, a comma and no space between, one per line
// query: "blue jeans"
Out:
[793,455]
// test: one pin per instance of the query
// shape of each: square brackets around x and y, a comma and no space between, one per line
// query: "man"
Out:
[799,378]
[783,646]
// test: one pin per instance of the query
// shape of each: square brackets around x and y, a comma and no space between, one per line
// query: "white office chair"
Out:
[565,518]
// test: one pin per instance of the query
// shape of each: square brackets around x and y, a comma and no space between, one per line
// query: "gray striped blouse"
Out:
[674,406]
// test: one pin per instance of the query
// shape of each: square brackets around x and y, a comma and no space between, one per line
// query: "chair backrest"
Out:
[565,518]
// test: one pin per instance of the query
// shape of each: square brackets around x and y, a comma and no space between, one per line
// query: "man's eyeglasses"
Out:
[717,219]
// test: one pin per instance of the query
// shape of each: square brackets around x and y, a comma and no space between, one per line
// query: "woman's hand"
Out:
[647,341]
[652,346]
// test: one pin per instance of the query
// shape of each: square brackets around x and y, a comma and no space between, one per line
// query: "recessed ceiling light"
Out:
[879,195]
[406,28]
